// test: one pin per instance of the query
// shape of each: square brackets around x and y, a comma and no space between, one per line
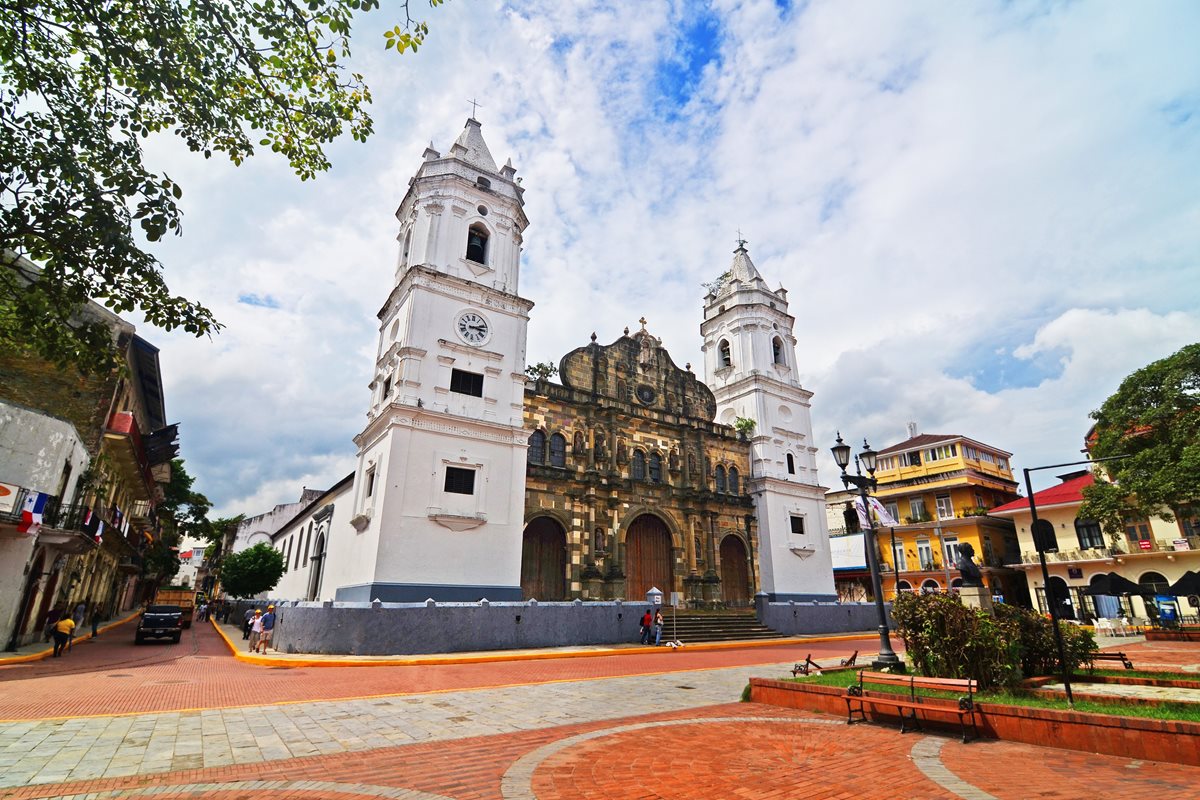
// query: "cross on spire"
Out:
[643,321]
[741,243]
[474,104]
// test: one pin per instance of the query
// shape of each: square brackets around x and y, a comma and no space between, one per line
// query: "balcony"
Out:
[124,438]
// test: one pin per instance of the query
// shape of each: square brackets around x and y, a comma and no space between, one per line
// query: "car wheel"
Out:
[176,638]
[138,638]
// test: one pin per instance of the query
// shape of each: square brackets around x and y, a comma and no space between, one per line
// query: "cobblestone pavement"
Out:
[634,732]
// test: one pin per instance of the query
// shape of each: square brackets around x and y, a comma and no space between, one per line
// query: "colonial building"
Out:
[85,456]
[1153,553]
[941,488]
[473,482]
[630,483]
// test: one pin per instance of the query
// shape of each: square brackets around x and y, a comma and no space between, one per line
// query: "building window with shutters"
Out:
[637,467]
[558,450]
[720,475]
[537,448]
[733,481]
[655,468]
[459,480]
[463,382]
[1089,533]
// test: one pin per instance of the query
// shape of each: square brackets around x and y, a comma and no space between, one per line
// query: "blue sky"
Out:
[985,214]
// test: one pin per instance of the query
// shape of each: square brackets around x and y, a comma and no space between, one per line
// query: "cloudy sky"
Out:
[986,214]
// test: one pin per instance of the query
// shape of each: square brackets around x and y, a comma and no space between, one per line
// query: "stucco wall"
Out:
[796,618]
[412,628]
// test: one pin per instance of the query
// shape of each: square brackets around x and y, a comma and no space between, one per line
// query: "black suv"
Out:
[160,622]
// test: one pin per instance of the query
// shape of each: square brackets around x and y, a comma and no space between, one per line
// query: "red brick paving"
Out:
[760,760]
[1161,655]
[201,673]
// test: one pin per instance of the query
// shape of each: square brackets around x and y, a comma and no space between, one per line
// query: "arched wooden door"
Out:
[735,572]
[647,559]
[544,560]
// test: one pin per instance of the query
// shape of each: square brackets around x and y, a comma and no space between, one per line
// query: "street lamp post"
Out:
[1043,532]
[841,454]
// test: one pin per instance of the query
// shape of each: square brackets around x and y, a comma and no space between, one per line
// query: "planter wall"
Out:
[1132,737]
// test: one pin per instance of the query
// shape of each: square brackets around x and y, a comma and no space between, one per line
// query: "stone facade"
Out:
[637,438]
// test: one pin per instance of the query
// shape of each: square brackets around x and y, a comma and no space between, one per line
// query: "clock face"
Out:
[472,328]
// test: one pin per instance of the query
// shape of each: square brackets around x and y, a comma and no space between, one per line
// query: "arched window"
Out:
[407,245]
[1153,583]
[720,478]
[777,350]
[723,354]
[791,462]
[537,448]
[655,468]
[1089,534]
[733,481]
[904,586]
[637,468]
[477,244]
[930,587]
[558,450]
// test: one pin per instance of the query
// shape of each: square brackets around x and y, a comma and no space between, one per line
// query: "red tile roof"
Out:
[922,440]
[1066,492]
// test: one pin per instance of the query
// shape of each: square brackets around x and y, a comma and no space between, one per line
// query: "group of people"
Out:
[61,625]
[258,628]
[652,626]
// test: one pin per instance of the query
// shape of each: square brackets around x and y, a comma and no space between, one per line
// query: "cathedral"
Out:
[474,480]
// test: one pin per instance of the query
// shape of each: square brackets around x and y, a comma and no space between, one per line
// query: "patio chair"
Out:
[1105,627]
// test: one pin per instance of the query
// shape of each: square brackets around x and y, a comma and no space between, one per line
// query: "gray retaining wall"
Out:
[800,618]
[417,628]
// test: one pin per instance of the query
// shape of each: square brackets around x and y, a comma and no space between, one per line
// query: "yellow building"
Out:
[940,488]
[1152,553]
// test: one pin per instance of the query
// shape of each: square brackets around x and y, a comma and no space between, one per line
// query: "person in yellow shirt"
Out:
[62,634]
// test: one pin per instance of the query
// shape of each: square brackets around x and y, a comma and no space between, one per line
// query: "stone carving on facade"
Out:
[673,460]
[600,443]
[578,446]
[622,453]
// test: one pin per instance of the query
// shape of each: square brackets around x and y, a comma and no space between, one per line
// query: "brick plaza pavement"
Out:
[633,731]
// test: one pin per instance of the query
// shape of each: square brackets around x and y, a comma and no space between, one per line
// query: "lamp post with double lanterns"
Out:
[841,454]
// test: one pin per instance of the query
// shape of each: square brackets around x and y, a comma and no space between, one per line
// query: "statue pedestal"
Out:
[979,597]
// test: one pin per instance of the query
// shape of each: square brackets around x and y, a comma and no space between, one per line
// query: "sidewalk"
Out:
[36,651]
[232,634]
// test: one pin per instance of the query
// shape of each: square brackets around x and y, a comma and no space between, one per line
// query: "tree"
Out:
[1154,419]
[83,84]
[253,570]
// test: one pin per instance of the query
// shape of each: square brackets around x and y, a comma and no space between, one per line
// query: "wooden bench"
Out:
[908,705]
[1120,657]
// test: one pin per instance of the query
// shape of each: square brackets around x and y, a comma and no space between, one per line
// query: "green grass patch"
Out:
[1189,712]
[1141,673]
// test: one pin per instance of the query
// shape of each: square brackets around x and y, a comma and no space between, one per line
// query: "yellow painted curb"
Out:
[501,655]
[38,656]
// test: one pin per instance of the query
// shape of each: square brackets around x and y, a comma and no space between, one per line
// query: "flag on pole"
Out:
[885,518]
[31,513]
[99,531]
[880,511]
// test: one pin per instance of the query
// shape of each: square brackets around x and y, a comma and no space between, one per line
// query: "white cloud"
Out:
[948,192]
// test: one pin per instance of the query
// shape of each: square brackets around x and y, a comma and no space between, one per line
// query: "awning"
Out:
[1188,584]
[1113,584]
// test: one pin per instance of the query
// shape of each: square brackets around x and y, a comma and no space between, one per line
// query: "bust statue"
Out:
[966,565]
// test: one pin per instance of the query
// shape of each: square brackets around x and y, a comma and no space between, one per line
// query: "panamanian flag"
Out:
[31,513]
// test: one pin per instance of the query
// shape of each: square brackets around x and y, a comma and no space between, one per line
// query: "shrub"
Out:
[946,639]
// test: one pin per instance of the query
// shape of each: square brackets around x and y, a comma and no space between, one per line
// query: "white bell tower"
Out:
[439,492]
[750,365]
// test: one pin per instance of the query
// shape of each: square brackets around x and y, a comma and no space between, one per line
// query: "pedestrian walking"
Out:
[63,629]
[268,630]
[204,612]
[247,620]
[255,629]
[658,626]
[647,621]
[95,620]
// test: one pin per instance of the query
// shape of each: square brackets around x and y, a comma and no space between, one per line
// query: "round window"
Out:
[645,394]
[482,211]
